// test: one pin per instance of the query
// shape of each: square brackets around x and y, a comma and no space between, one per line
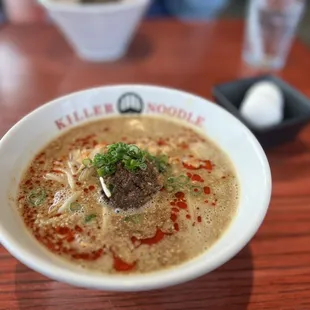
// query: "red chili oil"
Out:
[78,228]
[161,142]
[207,190]
[197,178]
[205,164]
[182,205]
[179,195]
[173,217]
[120,265]
[159,235]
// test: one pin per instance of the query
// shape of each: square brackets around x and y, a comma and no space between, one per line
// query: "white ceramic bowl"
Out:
[97,32]
[34,131]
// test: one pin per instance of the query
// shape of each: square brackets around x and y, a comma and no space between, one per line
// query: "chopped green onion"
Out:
[196,190]
[182,179]
[163,158]
[37,197]
[170,188]
[111,187]
[89,217]
[143,166]
[131,156]
[134,151]
[75,206]
[87,162]
[161,162]
[136,218]
[168,169]
[106,170]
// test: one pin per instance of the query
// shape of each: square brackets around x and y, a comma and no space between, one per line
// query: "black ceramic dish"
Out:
[296,109]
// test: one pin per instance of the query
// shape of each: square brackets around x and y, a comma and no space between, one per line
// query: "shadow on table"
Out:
[79,74]
[293,148]
[289,161]
[228,287]
[140,48]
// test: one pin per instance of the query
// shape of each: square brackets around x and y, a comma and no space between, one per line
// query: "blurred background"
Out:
[164,8]
[221,41]
[232,9]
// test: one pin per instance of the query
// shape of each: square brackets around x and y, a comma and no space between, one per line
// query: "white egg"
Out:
[263,105]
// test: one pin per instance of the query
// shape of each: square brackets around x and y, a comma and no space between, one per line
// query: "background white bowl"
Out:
[34,131]
[97,32]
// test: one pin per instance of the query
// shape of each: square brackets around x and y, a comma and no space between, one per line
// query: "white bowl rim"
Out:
[148,281]
[92,8]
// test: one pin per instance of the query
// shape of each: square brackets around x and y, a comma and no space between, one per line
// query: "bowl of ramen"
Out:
[130,188]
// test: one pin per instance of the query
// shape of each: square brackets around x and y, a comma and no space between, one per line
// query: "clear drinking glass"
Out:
[270,29]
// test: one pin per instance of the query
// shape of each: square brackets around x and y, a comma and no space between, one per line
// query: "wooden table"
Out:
[273,271]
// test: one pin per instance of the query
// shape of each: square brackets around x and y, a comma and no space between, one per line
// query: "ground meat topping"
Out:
[130,190]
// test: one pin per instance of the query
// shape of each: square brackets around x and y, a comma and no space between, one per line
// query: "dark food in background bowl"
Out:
[296,109]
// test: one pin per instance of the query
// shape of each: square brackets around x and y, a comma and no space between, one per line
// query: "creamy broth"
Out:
[60,198]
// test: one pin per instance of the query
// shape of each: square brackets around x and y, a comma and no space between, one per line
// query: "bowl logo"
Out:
[130,103]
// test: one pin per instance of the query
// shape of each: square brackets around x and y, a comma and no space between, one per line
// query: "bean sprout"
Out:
[68,202]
